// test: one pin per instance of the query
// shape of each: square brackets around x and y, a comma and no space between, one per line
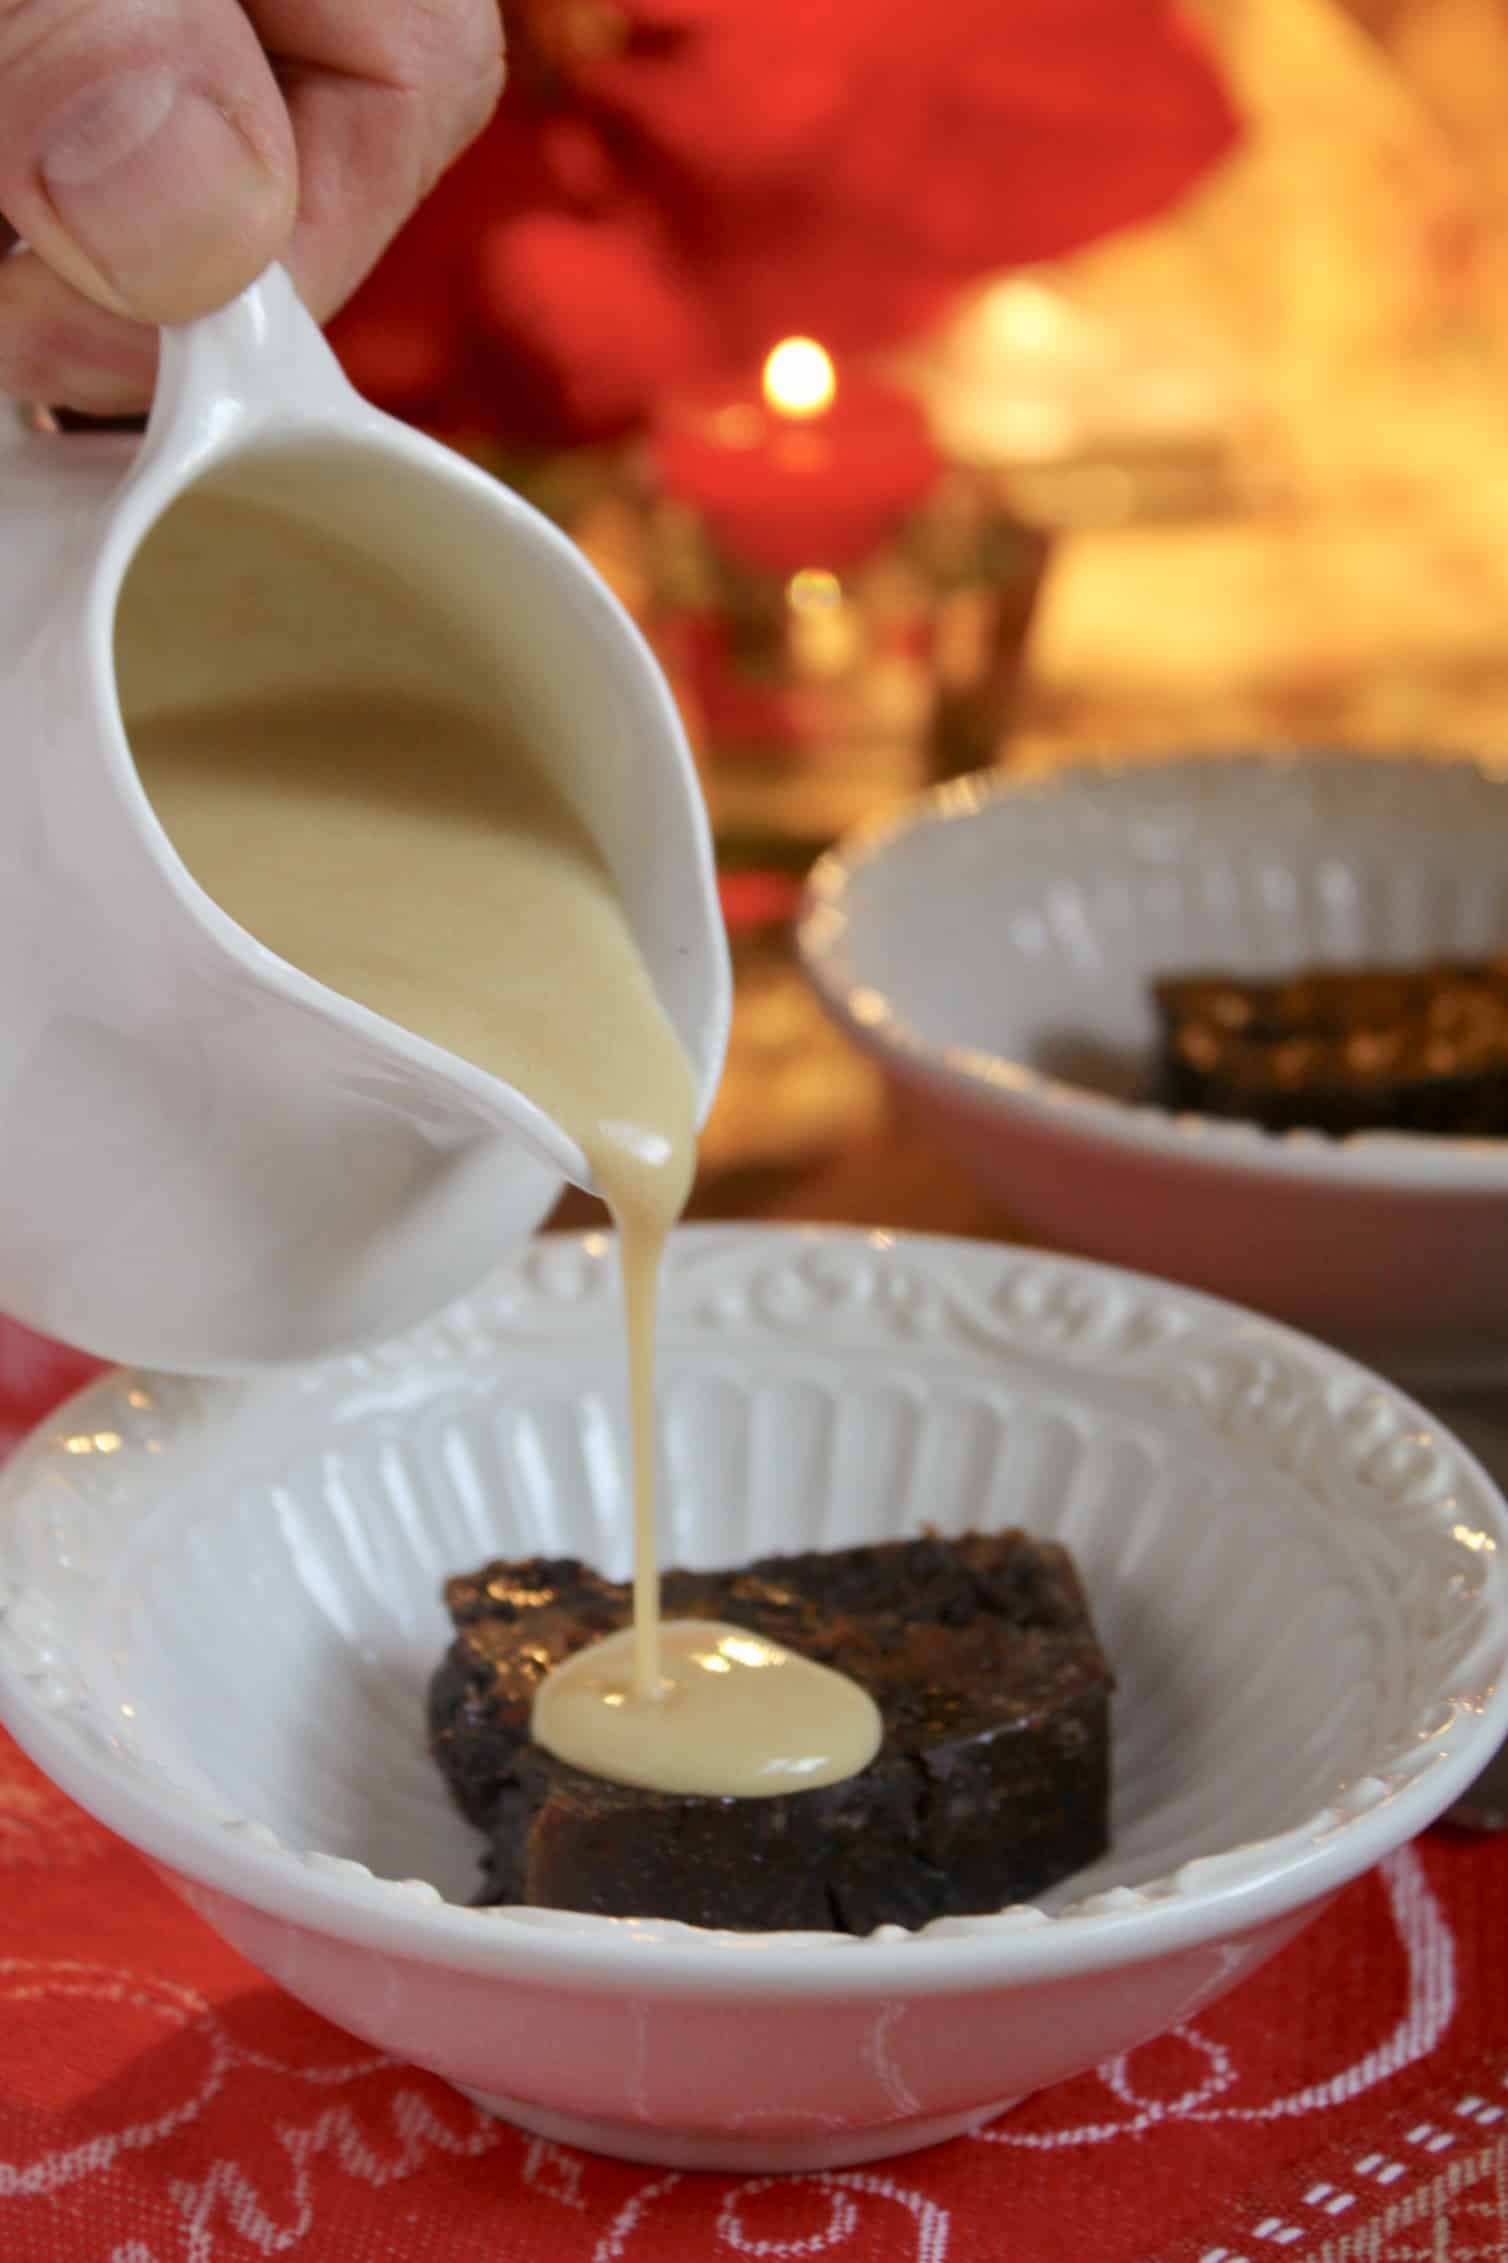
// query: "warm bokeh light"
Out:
[799,378]
[813,590]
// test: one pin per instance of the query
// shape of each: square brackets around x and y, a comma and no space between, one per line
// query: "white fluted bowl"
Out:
[995,943]
[219,1605]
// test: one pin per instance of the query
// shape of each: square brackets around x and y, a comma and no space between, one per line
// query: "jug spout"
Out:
[209,1159]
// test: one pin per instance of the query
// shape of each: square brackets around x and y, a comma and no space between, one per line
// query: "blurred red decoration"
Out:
[671,185]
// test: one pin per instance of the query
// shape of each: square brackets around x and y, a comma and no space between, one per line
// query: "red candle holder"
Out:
[841,611]
[802,472]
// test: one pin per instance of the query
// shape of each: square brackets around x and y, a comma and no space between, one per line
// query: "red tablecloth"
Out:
[161,2103]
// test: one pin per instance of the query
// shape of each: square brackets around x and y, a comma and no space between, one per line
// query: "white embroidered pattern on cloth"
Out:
[849,2210]
[41,1830]
[272,2239]
[1418,2199]
[410,2128]
[1460,2215]
[846,2218]
[1429,1952]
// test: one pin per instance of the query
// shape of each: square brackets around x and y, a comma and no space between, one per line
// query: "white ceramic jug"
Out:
[209,1161]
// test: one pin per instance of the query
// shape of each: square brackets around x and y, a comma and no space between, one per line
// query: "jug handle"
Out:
[262,360]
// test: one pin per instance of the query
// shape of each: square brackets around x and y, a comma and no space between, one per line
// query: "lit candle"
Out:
[809,471]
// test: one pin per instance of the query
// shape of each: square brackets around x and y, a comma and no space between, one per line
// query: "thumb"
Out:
[145,151]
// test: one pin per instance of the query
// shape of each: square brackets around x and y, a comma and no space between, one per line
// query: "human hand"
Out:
[156,155]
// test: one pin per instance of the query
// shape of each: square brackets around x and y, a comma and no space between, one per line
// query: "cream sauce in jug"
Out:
[400,849]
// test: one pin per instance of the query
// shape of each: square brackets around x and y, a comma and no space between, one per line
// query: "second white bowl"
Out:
[995,946]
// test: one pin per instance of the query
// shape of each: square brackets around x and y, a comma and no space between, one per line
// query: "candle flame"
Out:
[799,378]
[813,590]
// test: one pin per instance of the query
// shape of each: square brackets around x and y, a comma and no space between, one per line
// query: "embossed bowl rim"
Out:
[1206,1900]
[1436,1163]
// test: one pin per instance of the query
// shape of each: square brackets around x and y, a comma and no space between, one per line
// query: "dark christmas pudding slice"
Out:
[990,1784]
[1420,1050]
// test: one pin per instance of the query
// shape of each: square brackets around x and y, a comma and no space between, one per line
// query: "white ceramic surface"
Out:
[994,945]
[208,1160]
[219,1608]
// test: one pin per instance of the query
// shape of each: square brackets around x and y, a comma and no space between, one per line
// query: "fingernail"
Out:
[165,199]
